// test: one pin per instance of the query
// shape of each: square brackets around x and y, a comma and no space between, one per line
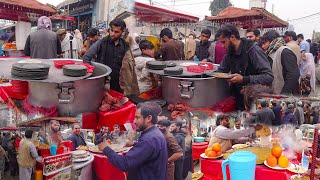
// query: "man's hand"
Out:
[236,78]
[204,60]
[105,135]
[258,127]
[129,144]
[103,145]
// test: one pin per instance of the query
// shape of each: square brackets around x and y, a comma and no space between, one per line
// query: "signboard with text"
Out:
[55,164]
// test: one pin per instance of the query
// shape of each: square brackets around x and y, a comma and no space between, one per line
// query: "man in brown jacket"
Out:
[170,49]
[174,150]
[27,156]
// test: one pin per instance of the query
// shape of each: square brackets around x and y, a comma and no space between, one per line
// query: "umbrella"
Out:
[9,128]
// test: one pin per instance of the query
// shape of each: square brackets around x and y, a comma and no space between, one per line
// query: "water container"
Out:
[242,165]
[53,149]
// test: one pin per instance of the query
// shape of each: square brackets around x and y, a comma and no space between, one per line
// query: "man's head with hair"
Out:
[308,40]
[76,128]
[147,48]
[117,27]
[205,35]
[175,126]
[290,36]
[28,133]
[116,128]
[93,35]
[291,107]
[163,124]
[166,34]
[54,125]
[13,29]
[263,104]
[104,129]
[146,115]
[253,34]
[300,37]
[229,37]
[237,123]
[223,119]
[268,37]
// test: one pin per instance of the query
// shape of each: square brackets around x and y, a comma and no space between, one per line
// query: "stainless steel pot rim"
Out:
[189,78]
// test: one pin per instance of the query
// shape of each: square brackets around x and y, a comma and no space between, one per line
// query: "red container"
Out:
[68,144]
[46,152]
[21,87]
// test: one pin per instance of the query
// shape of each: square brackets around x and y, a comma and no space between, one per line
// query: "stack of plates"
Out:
[173,71]
[159,65]
[30,71]
[74,70]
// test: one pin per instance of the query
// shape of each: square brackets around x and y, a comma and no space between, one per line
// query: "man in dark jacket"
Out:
[76,137]
[265,115]
[284,64]
[102,136]
[110,51]
[202,49]
[174,150]
[276,108]
[289,117]
[245,60]
[180,136]
[148,158]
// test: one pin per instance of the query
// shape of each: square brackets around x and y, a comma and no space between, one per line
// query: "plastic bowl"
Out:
[199,139]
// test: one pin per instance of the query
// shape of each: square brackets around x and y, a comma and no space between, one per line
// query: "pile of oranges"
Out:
[213,151]
[276,158]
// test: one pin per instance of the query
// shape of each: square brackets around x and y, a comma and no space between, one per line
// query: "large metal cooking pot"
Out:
[201,92]
[72,98]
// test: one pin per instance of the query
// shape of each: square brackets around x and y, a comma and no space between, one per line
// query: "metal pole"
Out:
[108,16]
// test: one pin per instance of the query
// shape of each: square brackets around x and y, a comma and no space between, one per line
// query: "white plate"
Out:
[293,176]
[81,159]
[203,155]
[292,168]
[236,146]
[276,167]
[79,152]
[185,64]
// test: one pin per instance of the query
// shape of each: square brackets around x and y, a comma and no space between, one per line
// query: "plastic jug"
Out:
[242,165]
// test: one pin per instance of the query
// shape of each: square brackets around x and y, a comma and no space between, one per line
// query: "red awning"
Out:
[65,18]
[23,9]
[152,14]
[9,128]
[247,18]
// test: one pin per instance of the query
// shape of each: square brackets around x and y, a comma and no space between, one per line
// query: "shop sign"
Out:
[55,164]
[81,9]
[62,175]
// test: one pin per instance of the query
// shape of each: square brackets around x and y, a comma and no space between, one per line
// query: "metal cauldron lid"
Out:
[55,75]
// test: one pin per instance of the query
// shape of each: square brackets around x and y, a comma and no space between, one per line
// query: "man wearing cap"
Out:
[174,150]
[148,158]
[224,135]
[289,117]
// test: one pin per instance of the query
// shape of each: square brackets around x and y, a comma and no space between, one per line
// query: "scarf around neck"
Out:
[275,45]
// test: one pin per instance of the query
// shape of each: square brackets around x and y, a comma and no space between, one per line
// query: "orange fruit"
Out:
[219,153]
[271,161]
[207,151]
[283,162]
[216,147]
[276,151]
[212,154]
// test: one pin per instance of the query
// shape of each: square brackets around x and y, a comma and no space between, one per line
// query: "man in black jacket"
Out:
[77,137]
[110,51]
[245,60]
[284,64]
[179,135]
[102,136]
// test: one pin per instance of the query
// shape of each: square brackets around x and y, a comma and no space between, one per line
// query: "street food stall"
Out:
[22,11]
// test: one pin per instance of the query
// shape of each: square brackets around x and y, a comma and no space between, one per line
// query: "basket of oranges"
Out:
[276,160]
[213,152]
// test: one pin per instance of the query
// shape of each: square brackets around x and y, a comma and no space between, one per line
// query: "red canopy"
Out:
[9,128]
[247,18]
[152,14]
[23,9]
[66,18]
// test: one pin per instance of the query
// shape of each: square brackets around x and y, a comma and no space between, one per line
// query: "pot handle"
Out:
[224,170]
[107,83]
[186,89]
[65,95]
